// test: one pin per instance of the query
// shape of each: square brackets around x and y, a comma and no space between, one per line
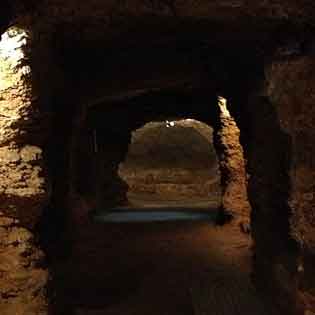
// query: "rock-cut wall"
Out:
[279,120]
[23,190]
[291,90]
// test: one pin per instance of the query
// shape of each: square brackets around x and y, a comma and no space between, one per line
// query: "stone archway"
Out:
[226,137]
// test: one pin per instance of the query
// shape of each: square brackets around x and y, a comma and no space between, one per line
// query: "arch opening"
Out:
[111,141]
[172,161]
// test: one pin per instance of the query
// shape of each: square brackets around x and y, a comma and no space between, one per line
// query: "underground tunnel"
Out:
[144,176]
[95,99]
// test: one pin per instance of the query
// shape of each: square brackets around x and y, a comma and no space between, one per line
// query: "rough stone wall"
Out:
[95,157]
[232,166]
[278,120]
[290,87]
[112,12]
[112,189]
[267,152]
[23,189]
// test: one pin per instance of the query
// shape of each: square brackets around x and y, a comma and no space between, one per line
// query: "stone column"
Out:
[23,186]
[232,166]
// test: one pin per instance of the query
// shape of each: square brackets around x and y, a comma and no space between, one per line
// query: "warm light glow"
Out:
[11,43]
[12,66]
[222,102]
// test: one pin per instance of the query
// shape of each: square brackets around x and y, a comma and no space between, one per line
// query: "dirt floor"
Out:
[178,268]
[144,200]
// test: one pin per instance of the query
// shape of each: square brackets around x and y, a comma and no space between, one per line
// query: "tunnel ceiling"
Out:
[220,10]
[134,20]
[134,110]
[87,43]
[160,42]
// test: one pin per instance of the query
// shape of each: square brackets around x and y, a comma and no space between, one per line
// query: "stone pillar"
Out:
[23,189]
[232,166]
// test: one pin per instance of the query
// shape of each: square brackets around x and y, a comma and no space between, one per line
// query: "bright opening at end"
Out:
[172,163]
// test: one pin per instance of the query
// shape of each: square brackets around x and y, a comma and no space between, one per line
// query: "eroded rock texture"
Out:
[23,275]
[291,90]
[23,189]
[95,158]
[232,166]
[277,119]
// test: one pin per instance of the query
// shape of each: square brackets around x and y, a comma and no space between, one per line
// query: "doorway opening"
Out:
[171,170]
[172,162]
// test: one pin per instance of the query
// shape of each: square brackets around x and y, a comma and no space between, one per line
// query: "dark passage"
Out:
[157,248]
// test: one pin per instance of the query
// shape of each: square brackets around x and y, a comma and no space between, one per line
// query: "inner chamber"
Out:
[171,162]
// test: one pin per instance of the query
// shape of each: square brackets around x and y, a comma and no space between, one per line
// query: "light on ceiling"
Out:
[170,123]
[11,44]
[12,65]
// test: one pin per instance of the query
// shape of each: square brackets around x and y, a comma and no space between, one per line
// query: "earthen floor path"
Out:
[183,268]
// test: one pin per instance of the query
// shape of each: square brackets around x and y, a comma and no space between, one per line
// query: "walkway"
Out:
[175,268]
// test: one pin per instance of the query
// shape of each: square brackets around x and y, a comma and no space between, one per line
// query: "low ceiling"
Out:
[297,10]
[116,19]
[124,114]
[122,45]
